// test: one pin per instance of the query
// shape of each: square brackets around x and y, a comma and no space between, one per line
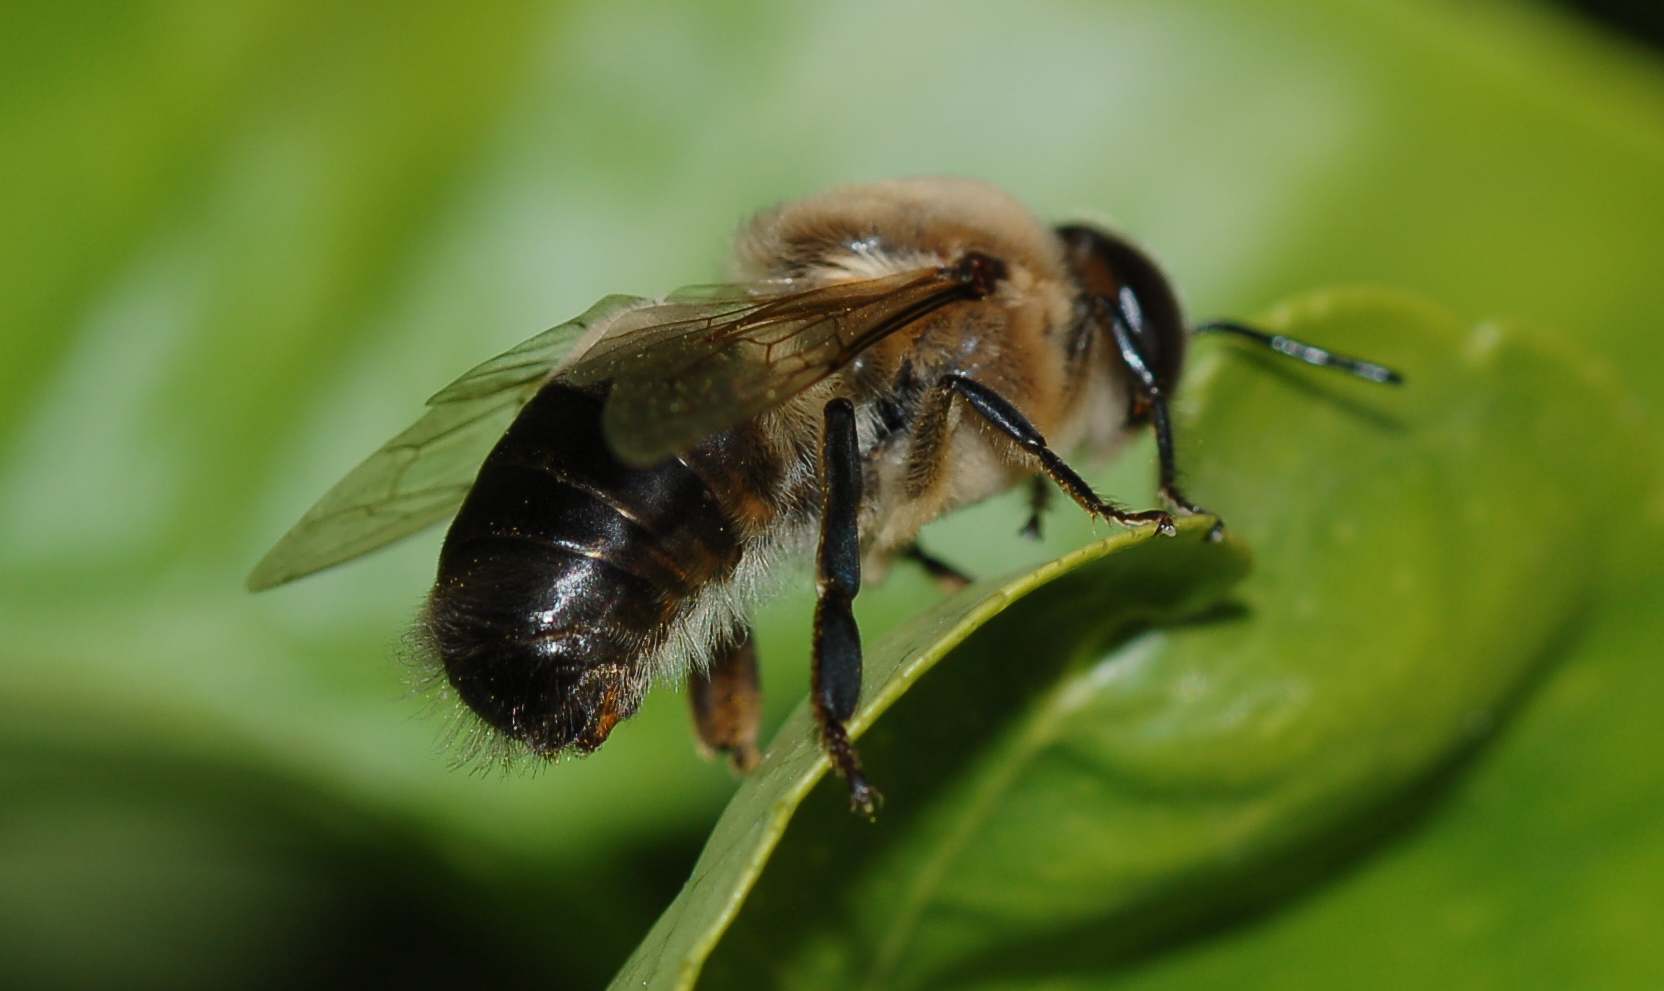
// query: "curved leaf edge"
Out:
[757,839]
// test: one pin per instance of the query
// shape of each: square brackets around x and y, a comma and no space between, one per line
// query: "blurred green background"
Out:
[245,240]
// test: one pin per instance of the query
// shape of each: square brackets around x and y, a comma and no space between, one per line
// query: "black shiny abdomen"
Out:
[563,569]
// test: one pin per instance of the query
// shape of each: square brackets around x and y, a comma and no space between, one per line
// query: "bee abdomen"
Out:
[563,571]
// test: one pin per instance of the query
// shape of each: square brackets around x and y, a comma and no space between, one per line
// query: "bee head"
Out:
[1120,282]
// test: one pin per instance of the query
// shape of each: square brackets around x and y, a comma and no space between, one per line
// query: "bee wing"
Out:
[421,476]
[705,360]
[702,360]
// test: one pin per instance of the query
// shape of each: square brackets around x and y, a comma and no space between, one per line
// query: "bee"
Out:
[629,484]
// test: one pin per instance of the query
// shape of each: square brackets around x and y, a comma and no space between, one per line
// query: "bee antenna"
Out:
[1311,354]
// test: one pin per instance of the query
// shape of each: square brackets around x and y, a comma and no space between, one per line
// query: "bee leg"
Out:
[1004,417]
[1169,486]
[1155,398]
[835,679]
[948,578]
[727,701]
[1039,498]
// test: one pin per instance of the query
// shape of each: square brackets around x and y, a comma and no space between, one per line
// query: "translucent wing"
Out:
[689,367]
[421,476]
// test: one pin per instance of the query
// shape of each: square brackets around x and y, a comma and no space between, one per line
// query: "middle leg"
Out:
[947,577]
[1039,498]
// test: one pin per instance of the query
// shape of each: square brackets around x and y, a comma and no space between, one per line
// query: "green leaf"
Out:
[248,238]
[1127,581]
[1068,795]
[1541,866]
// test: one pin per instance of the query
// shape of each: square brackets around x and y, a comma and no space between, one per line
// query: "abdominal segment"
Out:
[564,571]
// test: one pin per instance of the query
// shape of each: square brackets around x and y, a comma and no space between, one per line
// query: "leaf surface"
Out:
[1068,796]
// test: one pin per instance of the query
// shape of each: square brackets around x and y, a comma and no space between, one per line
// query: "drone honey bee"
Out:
[626,485]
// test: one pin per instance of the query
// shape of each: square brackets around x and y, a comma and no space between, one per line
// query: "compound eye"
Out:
[1109,266]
